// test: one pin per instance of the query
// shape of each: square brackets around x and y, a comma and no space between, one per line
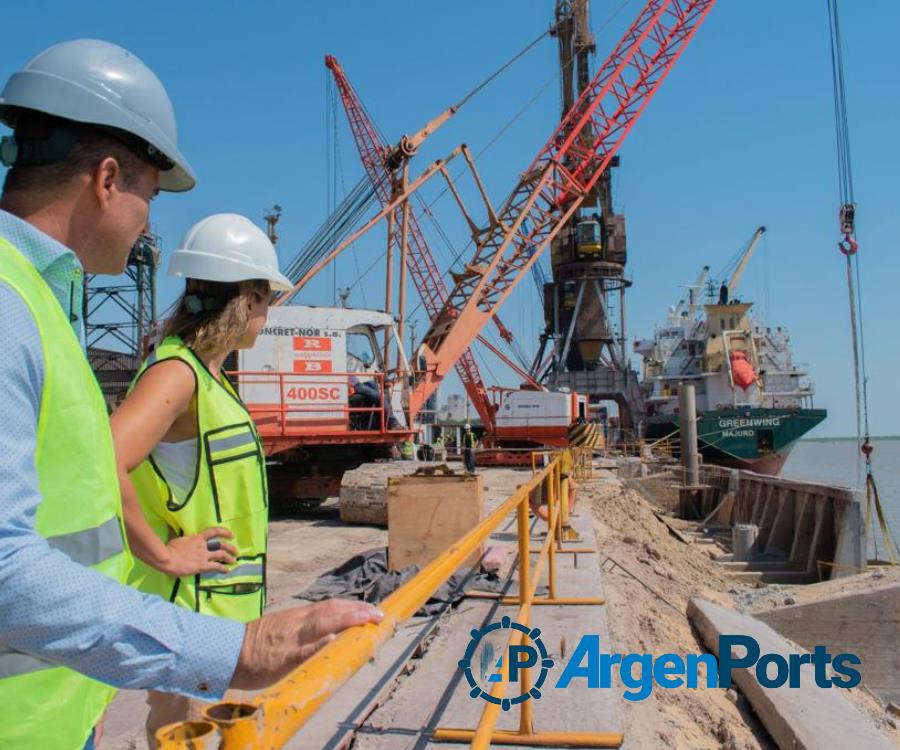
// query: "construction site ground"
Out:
[645,572]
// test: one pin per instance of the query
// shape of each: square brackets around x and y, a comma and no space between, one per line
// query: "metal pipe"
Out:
[389,286]
[554,602]
[553,517]
[188,735]
[570,551]
[238,723]
[687,417]
[526,718]
[404,252]
[539,739]
[622,335]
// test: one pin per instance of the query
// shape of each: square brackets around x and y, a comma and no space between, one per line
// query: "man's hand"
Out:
[276,643]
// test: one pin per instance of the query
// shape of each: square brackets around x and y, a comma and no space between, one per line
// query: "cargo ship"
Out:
[754,401]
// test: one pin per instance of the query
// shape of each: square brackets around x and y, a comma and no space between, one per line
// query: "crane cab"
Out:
[316,375]
[588,240]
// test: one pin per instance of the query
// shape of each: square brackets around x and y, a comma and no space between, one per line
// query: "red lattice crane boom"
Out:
[554,185]
[380,163]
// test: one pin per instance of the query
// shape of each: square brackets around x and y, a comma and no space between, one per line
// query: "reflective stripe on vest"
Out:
[218,444]
[248,570]
[79,515]
[91,546]
[13,663]
[229,491]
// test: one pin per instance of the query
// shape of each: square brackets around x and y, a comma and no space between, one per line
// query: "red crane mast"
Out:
[563,173]
[380,163]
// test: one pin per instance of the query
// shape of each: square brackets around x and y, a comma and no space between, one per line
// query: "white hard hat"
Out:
[98,83]
[228,248]
[468,426]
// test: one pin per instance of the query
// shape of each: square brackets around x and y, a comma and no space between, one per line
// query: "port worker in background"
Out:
[94,141]
[408,450]
[440,449]
[191,463]
[469,441]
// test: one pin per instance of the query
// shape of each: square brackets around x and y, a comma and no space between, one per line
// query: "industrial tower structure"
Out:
[120,317]
[584,345]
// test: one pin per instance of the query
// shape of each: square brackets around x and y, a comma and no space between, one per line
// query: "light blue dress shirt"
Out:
[50,606]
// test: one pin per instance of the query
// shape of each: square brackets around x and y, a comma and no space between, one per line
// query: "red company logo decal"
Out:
[312,354]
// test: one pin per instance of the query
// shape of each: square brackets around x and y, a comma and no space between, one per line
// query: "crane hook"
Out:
[867,448]
[848,246]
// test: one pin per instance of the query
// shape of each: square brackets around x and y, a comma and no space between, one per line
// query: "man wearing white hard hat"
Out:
[94,140]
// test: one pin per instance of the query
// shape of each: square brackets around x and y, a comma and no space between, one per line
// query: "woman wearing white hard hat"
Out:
[191,464]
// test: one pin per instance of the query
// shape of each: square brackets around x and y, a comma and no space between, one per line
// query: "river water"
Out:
[834,462]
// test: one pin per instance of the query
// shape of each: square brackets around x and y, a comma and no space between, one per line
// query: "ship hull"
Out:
[759,440]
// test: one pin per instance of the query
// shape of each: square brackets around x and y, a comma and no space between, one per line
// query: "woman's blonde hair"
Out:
[212,315]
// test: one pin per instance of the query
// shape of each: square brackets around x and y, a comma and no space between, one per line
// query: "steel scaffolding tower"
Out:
[120,317]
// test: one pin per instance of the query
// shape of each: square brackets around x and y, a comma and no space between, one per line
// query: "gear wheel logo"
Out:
[489,668]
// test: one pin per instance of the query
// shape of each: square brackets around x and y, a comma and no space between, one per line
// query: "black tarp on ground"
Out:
[366,576]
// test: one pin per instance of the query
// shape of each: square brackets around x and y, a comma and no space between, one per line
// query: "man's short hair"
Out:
[89,146]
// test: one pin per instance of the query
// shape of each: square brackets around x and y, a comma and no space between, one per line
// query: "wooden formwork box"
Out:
[427,514]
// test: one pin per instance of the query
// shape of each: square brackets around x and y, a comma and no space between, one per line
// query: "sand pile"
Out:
[630,534]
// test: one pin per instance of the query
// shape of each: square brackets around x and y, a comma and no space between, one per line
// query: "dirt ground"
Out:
[649,617]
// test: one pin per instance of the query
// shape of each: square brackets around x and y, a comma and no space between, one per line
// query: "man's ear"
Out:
[105,176]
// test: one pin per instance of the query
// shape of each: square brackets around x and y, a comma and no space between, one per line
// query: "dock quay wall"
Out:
[805,531]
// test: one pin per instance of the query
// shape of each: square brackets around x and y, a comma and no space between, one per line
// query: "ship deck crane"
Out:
[732,285]
[694,291]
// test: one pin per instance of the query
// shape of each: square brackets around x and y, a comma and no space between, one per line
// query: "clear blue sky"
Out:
[741,134]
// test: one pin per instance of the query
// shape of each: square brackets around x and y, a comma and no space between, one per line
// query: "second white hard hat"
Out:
[228,248]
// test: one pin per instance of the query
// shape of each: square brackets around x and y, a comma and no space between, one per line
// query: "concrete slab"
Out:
[864,622]
[807,717]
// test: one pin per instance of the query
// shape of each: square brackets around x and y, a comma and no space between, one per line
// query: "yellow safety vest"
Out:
[230,491]
[80,514]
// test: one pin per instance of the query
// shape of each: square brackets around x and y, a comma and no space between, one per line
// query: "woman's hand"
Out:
[199,553]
